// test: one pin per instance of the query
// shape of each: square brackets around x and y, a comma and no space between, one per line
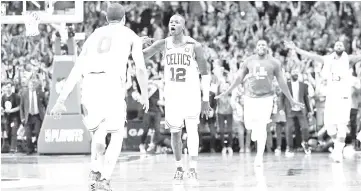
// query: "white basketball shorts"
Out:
[257,111]
[337,114]
[103,103]
[181,107]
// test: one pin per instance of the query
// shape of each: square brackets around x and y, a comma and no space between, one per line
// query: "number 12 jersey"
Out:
[182,82]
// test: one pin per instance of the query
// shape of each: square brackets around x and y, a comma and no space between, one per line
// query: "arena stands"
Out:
[227,30]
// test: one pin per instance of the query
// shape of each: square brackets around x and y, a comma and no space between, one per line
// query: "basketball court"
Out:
[155,172]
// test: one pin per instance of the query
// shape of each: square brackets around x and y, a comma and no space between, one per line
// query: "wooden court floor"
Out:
[155,172]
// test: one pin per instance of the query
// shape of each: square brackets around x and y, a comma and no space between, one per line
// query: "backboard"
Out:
[14,12]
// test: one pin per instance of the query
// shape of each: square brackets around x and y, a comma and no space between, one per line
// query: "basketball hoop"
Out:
[32,23]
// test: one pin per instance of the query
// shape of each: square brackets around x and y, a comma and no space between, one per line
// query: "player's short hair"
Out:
[338,41]
[115,12]
[181,16]
[264,39]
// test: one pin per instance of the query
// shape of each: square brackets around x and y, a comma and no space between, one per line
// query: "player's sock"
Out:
[112,154]
[339,145]
[337,152]
[97,162]
[179,164]
[192,163]
[97,150]
[261,144]
[192,142]
[261,141]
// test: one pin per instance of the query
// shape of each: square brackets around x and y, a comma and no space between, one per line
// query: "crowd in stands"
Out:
[228,32]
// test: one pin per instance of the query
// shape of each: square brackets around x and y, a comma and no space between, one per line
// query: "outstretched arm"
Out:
[241,73]
[313,56]
[156,47]
[354,59]
[203,68]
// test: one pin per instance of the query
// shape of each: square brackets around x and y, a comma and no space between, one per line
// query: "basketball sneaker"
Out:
[278,151]
[142,149]
[192,174]
[306,148]
[289,153]
[93,179]
[151,147]
[178,176]
[104,185]
[241,150]
[158,150]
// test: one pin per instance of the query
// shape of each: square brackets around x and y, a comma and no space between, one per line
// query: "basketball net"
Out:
[32,23]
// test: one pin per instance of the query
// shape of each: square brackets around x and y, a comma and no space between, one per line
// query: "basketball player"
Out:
[102,63]
[182,57]
[336,70]
[261,69]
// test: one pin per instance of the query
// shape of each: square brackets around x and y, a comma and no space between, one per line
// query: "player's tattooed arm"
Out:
[310,55]
[157,46]
[354,59]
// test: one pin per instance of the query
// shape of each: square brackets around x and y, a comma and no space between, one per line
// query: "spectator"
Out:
[299,91]
[279,118]
[225,119]
[10,107]
[228,31]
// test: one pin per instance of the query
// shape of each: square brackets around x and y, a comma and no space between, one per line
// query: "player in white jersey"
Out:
[336,71]
[102,64]
[183,59]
